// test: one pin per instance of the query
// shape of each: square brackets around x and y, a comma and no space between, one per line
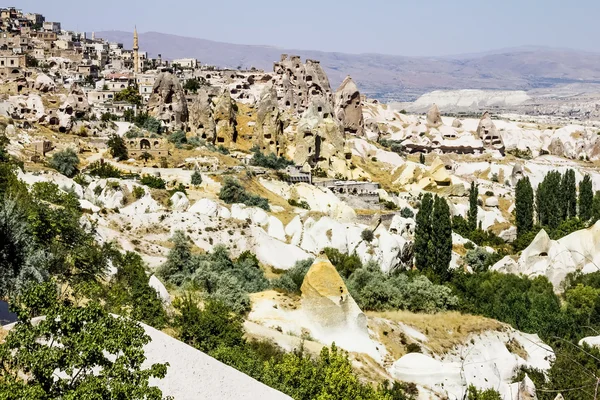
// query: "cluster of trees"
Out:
[216,331]
[268,161]
[215,273]
[374,290]
[433,238]
[232,191]
[44,247]
[117,147]
[559,207]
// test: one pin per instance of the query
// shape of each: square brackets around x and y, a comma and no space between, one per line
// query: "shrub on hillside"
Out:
[153,182]
[103,170]
[196,178]
[268,161]
[65,162]
[233,192]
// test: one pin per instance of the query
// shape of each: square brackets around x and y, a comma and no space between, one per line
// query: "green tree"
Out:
[472,213]
[423,232]
[196,178]
[596,207]
[586,199]
[524,206]
[441,239]
[129,115]
[65,162]
[209,328]
[568,188]
[97,355]
[550,200]
[476,394]
[130,95]
[192,85]
[367,235]
[178,138]
[232,192]
[117,147]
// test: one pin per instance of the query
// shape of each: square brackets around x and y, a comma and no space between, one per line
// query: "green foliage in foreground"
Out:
[216,330]
[153,182]
[98,355]
[268,161]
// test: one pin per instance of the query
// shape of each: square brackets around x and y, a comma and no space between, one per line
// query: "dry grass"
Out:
[444,330]
[516,348]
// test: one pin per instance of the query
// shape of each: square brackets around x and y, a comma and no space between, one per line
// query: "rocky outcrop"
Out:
[526,389]
[487,132]
[516,174]
[555,259]
[348,107]
[43,83]
[74,107]
[201,121]
[298,84]
[326,300]
[269,122]
[318,139]
[456,123]
[434,118]
[167,102]
[225,121]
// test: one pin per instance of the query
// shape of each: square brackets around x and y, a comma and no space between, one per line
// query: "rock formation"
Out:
[348,107]
[167,102]
[43,83]
[327,302]
[516,174]
[526,389]
[201,121]
[318,137]
[434,118]
[269,122]
[456,123]
[487,132]
[299,84]
[74,107]
[225,121]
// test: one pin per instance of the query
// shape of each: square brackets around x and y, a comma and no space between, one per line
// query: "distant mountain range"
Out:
[389,77]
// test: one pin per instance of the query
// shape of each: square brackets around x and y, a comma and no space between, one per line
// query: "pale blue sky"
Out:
[417,27]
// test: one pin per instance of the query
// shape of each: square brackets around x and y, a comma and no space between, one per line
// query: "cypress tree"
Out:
[472,213]
[550,200]
[586,198]
[423,232]
[568,189]
[596,207]
[524,206]
[441,239]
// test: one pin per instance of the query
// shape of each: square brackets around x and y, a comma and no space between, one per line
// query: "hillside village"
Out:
[452,254]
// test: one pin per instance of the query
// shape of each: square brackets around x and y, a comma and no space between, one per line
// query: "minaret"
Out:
[136,55]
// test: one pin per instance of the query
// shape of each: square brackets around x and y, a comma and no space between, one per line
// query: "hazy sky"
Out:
[415,27]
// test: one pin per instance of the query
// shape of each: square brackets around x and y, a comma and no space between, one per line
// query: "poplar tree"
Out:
[472,213]
[568,189]
[550,200]
[586,198]
[524,206]
[423,232]
[441,239]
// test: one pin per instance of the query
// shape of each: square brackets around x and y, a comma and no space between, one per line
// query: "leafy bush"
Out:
[107,352]
[367,235]
[488,394]
[479,259]
[373,290]
[177,138]
[138,192]
[196,178]
[233,192]
[268,161]
[117,147]
[209,328]
[291,280]
[222,149]
[301,204]
[153,182]
[65,162]
[103,170]
[345,264]
[216,273]
[407,213]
